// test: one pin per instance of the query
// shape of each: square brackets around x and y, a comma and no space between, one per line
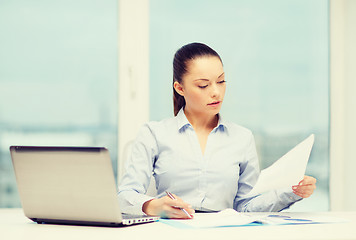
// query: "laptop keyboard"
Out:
[131,216]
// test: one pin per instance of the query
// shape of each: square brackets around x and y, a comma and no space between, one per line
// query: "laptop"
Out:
[69,185]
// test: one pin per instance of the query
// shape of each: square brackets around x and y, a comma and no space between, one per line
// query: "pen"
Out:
[172,197]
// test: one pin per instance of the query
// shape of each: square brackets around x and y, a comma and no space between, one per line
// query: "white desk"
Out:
[14,225]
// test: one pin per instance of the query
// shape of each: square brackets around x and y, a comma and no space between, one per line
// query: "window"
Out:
[276,59]
[58,79]
[58,74]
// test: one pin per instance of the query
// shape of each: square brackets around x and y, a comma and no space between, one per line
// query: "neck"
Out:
[202,121]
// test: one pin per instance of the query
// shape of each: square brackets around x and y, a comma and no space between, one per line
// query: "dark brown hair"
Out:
[181,58]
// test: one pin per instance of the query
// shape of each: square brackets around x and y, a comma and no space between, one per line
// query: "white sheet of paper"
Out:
[227,217]
[287,171]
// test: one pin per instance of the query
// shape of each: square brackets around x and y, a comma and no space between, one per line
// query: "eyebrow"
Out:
[204,79]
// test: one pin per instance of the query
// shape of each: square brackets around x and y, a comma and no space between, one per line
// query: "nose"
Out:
[214,91]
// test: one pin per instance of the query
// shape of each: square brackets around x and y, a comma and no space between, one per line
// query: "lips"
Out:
[214,103]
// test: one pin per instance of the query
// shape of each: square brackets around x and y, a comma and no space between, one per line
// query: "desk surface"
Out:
[14,225]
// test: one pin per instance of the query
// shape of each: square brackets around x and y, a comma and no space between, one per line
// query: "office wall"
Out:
[350,104]
[133,53]
[343,102]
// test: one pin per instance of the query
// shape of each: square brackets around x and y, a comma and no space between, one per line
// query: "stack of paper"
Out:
[232,218]
[225,218]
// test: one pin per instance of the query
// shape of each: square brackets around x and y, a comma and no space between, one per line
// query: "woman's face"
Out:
[203,85]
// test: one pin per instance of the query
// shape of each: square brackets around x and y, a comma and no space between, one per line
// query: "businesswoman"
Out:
[208,163]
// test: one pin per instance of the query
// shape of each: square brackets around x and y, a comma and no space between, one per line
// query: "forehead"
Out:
[204,67]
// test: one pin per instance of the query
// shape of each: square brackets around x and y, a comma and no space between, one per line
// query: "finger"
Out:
[300,187]
[307,180]
[188,211]
[304,188]
[177,213]
[179,203]
[301,181]
[191,211]
[303,194]
[304,191]
[173,208]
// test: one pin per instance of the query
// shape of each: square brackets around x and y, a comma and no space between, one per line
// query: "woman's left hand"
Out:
[305,188]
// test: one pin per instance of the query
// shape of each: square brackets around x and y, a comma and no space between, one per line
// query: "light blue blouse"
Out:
[218,179]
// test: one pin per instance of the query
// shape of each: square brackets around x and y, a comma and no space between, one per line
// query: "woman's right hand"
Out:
[166,207]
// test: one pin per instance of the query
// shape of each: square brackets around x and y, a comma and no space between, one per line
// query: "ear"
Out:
[179,88]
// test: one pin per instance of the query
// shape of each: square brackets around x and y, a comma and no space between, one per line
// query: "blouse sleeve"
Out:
[138,172]
[271,201]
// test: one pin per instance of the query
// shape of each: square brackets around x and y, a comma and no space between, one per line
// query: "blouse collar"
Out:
[183,122]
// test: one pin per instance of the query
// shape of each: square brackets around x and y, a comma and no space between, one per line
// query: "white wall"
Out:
[350,100]
[133,72]
[343,104]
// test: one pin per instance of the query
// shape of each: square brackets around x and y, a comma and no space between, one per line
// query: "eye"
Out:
[223,81]
[203,86]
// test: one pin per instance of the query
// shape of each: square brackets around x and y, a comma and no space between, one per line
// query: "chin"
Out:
[215,111]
